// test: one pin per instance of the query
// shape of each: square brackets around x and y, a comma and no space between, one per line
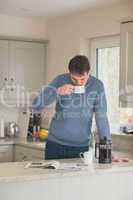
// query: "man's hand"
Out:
[66,89]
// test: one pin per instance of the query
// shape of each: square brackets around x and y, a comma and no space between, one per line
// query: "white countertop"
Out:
[16,172]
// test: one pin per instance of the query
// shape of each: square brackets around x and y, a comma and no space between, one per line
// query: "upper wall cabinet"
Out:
[22,68]
[3,63]
[126,66]
[27,64]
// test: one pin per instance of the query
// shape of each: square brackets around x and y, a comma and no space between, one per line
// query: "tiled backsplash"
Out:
[8,114]
[47,115]
[123,143]
[125,114]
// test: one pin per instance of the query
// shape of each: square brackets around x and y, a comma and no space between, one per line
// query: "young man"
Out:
[70,128]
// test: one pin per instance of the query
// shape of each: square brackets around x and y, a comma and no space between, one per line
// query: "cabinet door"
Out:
[126,69]
[6,153]
[27,64]
[3,60]
[3,68]
[25,153]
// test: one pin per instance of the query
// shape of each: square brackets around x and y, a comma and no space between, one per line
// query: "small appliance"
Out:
[103,151]
[12,129]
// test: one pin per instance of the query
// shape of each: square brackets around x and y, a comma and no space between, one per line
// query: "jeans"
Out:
[57,151]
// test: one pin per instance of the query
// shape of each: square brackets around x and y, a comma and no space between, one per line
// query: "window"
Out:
[105,62]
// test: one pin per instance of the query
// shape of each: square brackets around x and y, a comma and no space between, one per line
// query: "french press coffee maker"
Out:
[103,151]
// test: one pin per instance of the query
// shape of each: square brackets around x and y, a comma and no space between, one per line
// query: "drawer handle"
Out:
[3,149]
[5,79]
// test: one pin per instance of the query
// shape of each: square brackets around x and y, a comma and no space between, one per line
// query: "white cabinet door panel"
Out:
[3,70]
[22,70]
[6,153]
[3,60]
[23,153]
[27,64]
[126,67]
[129,78]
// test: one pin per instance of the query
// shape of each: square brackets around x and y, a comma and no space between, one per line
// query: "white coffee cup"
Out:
[79,89]
[87,156]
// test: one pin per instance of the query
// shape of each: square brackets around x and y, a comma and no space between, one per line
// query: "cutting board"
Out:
[23,122]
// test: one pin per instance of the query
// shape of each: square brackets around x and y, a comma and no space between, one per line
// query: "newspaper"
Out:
[53,165]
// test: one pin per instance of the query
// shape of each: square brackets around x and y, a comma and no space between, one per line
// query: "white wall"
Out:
[68,35]
[23,27]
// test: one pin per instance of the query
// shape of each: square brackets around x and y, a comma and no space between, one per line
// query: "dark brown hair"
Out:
[79,64]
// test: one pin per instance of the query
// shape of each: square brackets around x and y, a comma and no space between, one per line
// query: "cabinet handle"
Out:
[3,149]
[12,84]
[4,84]
[5,79]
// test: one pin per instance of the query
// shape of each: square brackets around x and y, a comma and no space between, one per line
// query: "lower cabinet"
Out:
[25,153]
[6,153]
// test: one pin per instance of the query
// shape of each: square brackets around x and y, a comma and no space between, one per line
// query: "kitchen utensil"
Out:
[12,129]
[34,126]
[23,121]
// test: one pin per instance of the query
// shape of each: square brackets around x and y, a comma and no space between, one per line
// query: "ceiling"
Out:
[50,7]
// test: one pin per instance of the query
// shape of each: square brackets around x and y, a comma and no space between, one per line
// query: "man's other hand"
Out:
[66,89]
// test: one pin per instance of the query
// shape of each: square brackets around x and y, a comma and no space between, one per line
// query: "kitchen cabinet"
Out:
[25,153]
[22,68]
[6,153]
[3,65]
[126,69]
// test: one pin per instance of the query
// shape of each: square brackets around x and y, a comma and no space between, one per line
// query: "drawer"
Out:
[25,153]
[6,153]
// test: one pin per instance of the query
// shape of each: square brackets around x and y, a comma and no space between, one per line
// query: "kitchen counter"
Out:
[10,172]
[96,181]
[23,142]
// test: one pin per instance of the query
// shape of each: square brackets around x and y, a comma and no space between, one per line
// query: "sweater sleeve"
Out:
[100,109]
[47,96]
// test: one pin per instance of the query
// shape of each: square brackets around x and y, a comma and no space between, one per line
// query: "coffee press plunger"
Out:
[103,151]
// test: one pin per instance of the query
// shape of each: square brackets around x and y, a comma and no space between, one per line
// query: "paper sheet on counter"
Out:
[53,165]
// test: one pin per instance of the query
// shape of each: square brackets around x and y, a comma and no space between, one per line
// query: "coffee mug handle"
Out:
[97,150]
[81,156]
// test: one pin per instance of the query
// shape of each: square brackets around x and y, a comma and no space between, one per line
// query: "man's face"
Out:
[79,79]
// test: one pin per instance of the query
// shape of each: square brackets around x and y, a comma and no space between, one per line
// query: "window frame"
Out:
[101,42]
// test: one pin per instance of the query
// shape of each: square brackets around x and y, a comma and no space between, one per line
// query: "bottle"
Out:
[37,133]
